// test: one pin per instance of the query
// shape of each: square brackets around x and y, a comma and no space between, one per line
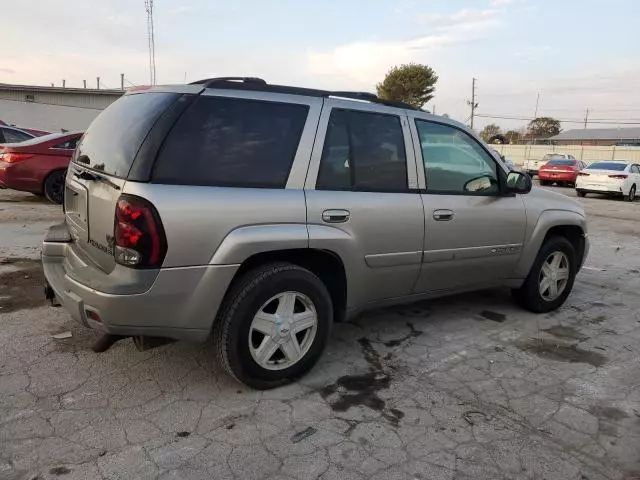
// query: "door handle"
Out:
[335,216]
[443,215]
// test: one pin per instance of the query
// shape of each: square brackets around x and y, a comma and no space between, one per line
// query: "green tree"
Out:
[490,131]
[411,83]
[543,127]
[513,136]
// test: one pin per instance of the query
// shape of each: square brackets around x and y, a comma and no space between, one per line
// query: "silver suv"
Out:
[260,214]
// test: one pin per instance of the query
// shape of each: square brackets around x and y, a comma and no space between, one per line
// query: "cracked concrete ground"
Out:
[467,387]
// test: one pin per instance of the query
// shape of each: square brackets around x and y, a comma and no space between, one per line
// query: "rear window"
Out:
[114,137]
[561,162]
[232,142]
[608,166]
[551,156]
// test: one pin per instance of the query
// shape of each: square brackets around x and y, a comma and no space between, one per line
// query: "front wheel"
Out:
[551,277]
[581,193]
[632,194]
[54,186]
[273,326]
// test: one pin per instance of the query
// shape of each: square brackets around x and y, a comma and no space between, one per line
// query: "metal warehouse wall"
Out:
[520,153]
[46,117]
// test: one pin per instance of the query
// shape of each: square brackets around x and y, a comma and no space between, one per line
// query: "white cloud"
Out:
[501,3]
[363,63]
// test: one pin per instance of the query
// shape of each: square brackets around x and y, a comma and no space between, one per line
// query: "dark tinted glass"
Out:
[13,136]
[608,166]
[363,151]
[561,162]
[112,140]
[232,142]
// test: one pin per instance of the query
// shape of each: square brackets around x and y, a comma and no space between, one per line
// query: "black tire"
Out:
[54,186]
[246,297]
[528,296]
[545,182]
[632,194]
[581,193]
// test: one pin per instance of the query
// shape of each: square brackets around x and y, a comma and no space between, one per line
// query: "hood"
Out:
[542,199]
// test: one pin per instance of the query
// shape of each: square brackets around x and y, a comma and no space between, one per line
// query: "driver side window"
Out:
[454,163]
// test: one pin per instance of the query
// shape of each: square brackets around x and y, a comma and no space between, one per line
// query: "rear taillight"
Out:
[139,238]
[14,157]
[583,174]
[618,177]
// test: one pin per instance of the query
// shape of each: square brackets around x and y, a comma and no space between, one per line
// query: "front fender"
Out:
[546,221]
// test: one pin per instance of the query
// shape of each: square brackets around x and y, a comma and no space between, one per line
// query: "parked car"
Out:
[38,165]
[560,171]
[260,214]
[610,178]
[508,162]
[533,166]
[14,135]
[32,132]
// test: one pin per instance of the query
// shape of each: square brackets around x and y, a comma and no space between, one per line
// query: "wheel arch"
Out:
[326,264]
[567,224]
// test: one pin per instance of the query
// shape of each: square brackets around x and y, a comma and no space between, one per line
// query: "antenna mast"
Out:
[148,5]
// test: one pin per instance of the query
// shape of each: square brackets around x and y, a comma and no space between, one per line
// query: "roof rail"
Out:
[258,84]
[212,81]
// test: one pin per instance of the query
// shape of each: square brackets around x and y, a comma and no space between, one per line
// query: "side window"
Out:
[14,136]
[363,152]
[68,145]
[232,142]
[454,162]
[635,169]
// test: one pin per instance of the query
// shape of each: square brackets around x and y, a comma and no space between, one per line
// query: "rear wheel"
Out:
[551,277]
[581,193]
[273,326]
[54,186]
[632,194]
[545,182]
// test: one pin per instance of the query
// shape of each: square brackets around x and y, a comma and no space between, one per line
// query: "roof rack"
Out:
[258,84]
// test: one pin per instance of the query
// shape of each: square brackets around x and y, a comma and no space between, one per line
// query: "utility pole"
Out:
[586,118]
[84,82]
[122,81]
[472,103]
[535,115]
[64,83]
[148,5]
[98,83]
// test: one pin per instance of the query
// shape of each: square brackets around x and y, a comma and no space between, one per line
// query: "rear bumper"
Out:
[181,304]
[557,177]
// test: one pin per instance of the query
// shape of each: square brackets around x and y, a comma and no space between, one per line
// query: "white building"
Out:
[53,108]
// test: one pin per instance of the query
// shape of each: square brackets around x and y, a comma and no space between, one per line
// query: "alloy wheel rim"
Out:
[283,330]
[554,276]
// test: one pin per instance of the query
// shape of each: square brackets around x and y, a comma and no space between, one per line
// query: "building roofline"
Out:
[45,89]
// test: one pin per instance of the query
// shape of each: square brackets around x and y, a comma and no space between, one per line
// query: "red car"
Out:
[563,171]
[38,165]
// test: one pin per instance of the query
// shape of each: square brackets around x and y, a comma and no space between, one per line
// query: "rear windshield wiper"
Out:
[95,177]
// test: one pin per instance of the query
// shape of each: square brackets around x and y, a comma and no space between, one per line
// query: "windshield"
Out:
[560,162]
[608,166]
[42,139]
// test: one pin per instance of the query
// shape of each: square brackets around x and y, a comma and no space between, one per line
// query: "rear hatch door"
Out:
[99,169]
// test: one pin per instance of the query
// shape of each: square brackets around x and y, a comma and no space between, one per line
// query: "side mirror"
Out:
[483,183]
[518,182]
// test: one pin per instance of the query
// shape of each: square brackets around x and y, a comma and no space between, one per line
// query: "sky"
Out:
[576,54]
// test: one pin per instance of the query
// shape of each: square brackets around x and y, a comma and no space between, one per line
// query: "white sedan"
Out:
[610,178]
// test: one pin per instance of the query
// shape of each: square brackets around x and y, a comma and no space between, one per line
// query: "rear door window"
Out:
[363,152]
[232,142]
[112,140]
